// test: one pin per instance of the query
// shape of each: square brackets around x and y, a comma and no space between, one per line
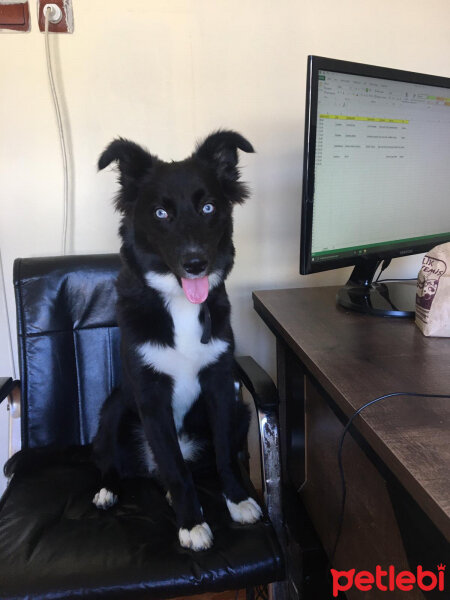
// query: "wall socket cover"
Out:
[14,16]
[66,23]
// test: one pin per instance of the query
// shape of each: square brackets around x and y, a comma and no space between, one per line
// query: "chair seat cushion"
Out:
[54,543]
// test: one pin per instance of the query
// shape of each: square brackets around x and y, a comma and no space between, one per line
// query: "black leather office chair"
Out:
[54,543]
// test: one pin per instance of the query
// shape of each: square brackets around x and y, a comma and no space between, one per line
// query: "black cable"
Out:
[341,444]
[408,279]
[384,265]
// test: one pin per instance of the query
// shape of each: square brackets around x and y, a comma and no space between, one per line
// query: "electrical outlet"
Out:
[66,23]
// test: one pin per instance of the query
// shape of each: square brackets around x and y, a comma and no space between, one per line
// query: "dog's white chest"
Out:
[187,358]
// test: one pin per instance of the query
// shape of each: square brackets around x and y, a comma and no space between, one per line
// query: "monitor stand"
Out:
[393,299]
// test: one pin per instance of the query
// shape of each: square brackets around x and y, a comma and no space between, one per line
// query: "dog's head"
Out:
[180,213]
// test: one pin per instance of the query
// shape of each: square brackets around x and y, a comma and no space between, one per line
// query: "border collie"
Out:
[177,401]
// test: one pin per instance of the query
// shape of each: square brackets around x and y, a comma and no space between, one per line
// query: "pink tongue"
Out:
[196,290]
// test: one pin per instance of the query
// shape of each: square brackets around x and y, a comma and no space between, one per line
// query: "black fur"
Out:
[30,460]
[186,238]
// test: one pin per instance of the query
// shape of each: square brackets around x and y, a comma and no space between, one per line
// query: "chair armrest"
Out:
[258,383]
[7,384]
[265,397]
[10,388]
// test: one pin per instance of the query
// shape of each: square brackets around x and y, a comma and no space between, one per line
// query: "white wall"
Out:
[165,74]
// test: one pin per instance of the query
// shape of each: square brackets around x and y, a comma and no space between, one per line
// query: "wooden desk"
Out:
[397,458]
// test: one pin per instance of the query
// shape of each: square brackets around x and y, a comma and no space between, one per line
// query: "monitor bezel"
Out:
[316,64]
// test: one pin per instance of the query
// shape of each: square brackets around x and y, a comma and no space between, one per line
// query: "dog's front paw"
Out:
[246,511]
[198,538]
[104,499]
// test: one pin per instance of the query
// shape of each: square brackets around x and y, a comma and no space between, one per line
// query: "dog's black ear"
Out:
[219,151]
[133,161]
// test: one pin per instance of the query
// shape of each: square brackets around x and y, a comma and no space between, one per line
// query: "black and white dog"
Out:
[177,401]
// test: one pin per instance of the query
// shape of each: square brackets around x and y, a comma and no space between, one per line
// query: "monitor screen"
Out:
[377,164]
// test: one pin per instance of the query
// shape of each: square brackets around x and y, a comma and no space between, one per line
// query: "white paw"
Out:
[246,511]
[197,538]
[104,499]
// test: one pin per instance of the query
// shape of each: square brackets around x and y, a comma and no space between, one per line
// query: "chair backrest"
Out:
[68,345]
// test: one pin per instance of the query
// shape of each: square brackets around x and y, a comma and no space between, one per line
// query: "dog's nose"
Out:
[195,265]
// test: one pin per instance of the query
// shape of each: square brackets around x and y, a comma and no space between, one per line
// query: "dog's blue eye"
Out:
[208,209]
[161,213]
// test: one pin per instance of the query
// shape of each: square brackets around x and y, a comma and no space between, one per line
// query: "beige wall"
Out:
[165,73]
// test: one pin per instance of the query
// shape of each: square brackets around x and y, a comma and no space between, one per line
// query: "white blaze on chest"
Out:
[185,360]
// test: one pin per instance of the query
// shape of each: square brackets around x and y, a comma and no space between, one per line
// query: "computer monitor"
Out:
[376,176]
